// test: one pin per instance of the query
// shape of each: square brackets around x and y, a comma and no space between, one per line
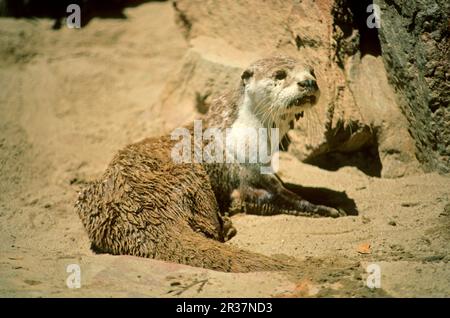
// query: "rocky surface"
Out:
[416,52]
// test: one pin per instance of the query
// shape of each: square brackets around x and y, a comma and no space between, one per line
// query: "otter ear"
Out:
[246,75]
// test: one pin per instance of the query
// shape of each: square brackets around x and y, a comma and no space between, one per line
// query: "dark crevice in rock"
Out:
[412,25]
[182,20]
[369,43]
[305,42]
[366,160]
[350,30]
[351,145]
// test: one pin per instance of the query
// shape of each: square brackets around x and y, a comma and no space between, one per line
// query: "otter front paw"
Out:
[318,210]
[330,212]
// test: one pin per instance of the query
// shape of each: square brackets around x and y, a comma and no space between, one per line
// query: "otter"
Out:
[147,205]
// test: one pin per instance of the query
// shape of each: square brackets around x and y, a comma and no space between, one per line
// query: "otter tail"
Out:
[194,249]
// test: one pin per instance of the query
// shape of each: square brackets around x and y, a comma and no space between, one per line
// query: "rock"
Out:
[414,36]
[376,100]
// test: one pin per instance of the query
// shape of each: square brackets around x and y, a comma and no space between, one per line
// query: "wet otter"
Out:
[147,205]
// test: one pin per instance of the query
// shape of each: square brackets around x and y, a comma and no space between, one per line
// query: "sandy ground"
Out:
[70,98]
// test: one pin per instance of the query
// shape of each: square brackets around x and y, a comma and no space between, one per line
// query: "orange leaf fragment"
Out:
[364,248]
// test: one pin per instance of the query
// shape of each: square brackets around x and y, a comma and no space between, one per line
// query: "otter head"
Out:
[279,88]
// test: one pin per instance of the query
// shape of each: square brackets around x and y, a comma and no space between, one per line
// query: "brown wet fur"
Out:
[147,206]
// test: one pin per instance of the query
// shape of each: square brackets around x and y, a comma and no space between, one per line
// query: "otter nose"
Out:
[309,83]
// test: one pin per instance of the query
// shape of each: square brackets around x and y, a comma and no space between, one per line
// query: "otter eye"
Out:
[280,74]
[312,72]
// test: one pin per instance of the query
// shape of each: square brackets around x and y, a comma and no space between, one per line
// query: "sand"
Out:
[69,99]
